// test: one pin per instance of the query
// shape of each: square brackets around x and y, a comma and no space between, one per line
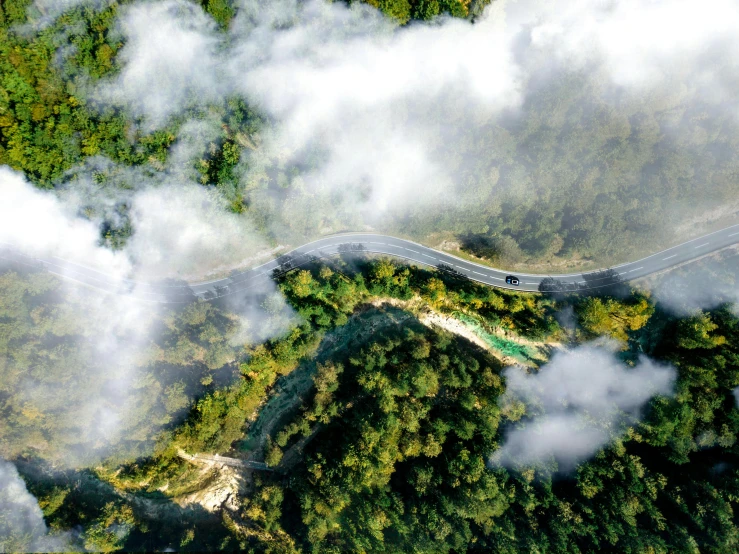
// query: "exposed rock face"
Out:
[221,492]
[221,488]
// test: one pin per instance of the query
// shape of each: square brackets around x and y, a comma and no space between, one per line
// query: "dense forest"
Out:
[526,188]
[388,446]
[370,395]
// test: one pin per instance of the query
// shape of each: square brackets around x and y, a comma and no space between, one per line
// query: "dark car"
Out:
[511,280]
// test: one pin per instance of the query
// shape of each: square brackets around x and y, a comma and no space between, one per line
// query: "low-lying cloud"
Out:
[169,59]
[87,401]
[22,526]
[576,404]
[38,224]
[181,230]
[701,285]
[430,124]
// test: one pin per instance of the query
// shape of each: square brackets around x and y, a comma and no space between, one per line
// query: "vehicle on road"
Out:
[511,280]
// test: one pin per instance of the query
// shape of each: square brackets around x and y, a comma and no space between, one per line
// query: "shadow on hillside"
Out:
[161,524]
[607,282]
[451,276]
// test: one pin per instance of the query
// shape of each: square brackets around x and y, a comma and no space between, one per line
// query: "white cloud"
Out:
[22,526]
[35,222]
[576,404]
[701,285]
[664,37]
[373,114]
[180,230]
[169,59]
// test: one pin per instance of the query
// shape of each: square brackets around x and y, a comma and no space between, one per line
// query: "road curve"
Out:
[176,292]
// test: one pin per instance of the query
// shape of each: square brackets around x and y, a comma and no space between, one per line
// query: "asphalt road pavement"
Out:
[368,243]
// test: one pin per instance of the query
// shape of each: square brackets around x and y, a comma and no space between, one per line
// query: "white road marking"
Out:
[266,268]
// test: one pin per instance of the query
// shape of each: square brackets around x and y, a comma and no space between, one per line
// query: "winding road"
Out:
[359,243]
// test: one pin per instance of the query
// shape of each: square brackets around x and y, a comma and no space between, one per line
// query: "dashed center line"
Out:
[203,288]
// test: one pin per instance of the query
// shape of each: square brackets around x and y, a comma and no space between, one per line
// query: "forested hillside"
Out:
[363,404]
[404,428]
[389,447]
[572,175]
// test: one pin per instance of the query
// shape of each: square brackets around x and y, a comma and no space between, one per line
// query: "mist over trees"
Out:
[527,142]
[399,401]
[182,139]
[78,388]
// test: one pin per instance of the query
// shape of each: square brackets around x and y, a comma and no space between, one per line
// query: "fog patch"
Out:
[42,13]
[22,526]
[94,397]
[566,318]
[168,61]
[701,285]
[574,405]
[426,125]
[181,230]
[37,223]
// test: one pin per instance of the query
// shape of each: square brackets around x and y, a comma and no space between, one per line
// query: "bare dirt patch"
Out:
[431,318]
[220,487]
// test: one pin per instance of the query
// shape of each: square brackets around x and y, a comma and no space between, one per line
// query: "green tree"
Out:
[109,531]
